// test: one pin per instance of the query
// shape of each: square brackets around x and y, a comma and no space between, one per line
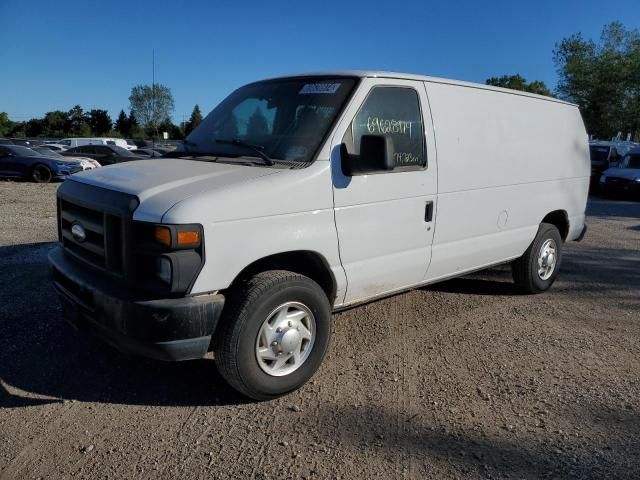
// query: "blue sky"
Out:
[62,53]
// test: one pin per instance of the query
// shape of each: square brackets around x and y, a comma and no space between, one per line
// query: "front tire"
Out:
[536,270]
[41,174]
[273,334]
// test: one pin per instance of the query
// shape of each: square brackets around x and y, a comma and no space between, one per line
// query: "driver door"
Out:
[385,220]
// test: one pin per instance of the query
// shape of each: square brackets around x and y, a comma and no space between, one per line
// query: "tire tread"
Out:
[239,298]
[522,268]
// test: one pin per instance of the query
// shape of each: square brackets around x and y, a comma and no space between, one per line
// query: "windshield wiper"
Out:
[258,149]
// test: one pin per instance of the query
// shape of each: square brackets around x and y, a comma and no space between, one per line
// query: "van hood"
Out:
[161,183]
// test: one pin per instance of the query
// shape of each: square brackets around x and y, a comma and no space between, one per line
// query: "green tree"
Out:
[173,130]
[194,120]
[6,125]
[122,125]
[54,124]
[518,82]
[36,127]
[18,129]
[99,121]
[78,122]
[134,129]
[151,105]
[603,78]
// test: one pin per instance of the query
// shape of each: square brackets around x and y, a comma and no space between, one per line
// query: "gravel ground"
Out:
[465,379]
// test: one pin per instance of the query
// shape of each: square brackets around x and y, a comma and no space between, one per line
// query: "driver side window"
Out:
[392,112]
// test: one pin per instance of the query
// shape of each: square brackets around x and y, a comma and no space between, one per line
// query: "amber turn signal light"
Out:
[188,238]
[162,235]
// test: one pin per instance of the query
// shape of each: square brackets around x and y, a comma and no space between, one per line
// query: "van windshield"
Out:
[286,119]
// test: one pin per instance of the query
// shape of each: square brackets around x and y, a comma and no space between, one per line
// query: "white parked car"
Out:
[77,142]
[297,197]
[56,147]
[623,178]
[85,162]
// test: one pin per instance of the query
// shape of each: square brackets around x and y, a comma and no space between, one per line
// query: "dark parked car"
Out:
[17,161]
[162,151]
[147,152]
[104,154]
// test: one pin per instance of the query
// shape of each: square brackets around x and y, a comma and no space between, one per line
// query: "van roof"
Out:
[422,78]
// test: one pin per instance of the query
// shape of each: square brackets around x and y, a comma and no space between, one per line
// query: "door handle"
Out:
[428,212]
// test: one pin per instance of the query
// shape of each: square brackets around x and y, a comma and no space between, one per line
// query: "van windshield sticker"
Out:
[323,88]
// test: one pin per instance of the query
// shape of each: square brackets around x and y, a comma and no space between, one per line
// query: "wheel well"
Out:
[560,219]
[307,263]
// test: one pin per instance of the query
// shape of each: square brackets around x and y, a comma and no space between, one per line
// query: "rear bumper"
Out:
[166,329]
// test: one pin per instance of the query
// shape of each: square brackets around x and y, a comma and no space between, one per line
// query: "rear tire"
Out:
[536,270]
[41,174]
[273,334]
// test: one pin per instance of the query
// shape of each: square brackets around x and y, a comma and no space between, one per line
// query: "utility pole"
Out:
[153,95]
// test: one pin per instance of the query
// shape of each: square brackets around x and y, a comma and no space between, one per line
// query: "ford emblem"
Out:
[78,232]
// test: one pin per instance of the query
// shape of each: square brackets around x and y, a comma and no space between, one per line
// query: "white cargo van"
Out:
[300,196]
[77,142]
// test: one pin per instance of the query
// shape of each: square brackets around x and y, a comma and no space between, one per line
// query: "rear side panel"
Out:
[504,162]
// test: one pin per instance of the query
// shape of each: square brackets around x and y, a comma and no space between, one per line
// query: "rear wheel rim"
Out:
[547,259]
[285,339]
[41,174]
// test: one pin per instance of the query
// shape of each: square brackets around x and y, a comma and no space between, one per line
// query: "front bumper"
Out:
[66,171]
[169,329]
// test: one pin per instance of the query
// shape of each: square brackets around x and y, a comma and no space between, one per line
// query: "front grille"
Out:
[102,247]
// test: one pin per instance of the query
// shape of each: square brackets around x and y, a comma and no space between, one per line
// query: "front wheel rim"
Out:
[547,259]
[41,174]
[285,339]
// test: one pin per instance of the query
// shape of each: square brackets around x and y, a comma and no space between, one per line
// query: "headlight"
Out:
[163,269]
[169,256]
[61,164]
[603,178]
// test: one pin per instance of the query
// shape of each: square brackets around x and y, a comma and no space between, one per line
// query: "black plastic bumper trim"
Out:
[166,329]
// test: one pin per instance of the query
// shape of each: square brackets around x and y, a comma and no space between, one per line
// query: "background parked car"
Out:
[624,178]
[162,150]
[77,142]
[605,154]
[86,162]
[56,147]
[17,161]
[147,152]
[25,142]
[105,154]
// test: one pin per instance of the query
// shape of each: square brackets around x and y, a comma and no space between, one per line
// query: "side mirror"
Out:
[376,155]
